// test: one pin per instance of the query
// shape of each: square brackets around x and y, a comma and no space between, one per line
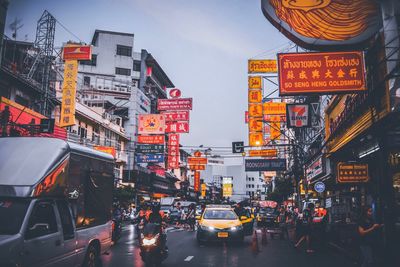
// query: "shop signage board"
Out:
[151,124]
[255,125]
[174,104]
[255,110]
[197,161]
[67,116]
[262,66]
[227,186]
[325,24]
[172,116]
[263,153]
[274,108]
[77,52]
[265,165]
[255,82]
[175,93]
[314,169]
[196,184]
[275,130]
[256,139]
[106,149]
[173,151]
[197,167]
[321,73]
[177,127]
[274,118]
[352,173]
[203,189]
[298,115]
[151,139]
[149,149]
[319,187]
[150,158]
[255,96]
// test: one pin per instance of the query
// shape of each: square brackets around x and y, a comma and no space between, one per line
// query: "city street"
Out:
[184,251]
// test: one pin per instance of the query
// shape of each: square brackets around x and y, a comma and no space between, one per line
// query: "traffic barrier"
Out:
[264,239]
[254,243]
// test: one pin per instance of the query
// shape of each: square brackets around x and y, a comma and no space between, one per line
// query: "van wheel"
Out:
[92,257]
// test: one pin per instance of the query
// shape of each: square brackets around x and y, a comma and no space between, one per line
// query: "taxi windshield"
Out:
[219,215]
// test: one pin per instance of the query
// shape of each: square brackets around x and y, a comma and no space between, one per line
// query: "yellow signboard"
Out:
[255,125]
[255,82]
[67,116]
[262,66]
[203,189]
[271,108]
[255,96]
[256,139]
[227,190]
[263,153]
[255,110]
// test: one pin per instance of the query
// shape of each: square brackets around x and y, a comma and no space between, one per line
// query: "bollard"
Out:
[264,239]
[254,243]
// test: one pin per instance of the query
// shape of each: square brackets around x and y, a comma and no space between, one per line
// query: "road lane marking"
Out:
[189,258]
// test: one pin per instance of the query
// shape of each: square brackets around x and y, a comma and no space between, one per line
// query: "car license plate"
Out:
[223,234]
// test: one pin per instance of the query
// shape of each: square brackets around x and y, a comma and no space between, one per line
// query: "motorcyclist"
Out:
[157,216]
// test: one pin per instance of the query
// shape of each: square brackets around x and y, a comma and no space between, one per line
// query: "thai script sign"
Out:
[264,153]
[321,73]
[67,116]
[174,104]
[197,161]
[151,124]
[265,165]
[352,173]
[262,66]
[151,139]
[273,108]
[149,158]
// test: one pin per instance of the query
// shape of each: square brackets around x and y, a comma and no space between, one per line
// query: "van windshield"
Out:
[12,214]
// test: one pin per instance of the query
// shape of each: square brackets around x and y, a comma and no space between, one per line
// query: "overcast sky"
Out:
[203,46]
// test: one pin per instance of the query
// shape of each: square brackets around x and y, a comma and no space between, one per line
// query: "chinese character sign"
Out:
[255,96]
[151,139]
[255,125]
[255,82]
[321,73]
[256,139]
[255,110]
[177,127]
[151,124]
[196,184]
[172,116]
[67,117]
[173,151]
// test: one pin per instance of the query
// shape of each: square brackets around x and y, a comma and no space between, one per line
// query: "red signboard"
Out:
[197,167]
[77,52]
[175,104]
[175,93]
[197,161]
[177,127]
[321,73]
[171,116]
[151,139]
[196,184]
[173,151]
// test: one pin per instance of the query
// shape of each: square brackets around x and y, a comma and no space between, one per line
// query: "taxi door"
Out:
[247,221]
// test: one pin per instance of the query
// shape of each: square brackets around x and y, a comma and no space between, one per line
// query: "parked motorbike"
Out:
[152,245]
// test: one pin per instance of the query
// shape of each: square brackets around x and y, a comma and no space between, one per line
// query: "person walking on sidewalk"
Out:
[306,227]
[283,220]
[369,236]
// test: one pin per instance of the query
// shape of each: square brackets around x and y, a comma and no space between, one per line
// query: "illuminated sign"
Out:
[352,173]
[317,24]
[275,130]
[314,169]
[67,116]
[175,104]
[321,73]
[255,82]
[256,139]
[151,124]
[77,52]
[262,66]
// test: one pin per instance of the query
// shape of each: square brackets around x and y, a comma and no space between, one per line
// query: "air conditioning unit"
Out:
[117,120]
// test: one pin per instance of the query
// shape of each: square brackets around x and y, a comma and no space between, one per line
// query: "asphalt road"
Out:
[184,251]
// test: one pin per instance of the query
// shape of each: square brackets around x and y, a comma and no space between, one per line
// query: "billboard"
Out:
[151,139]
[151,124]
[321,73]
[265,165]
[174,104]
[298,115]
[262,66]
[149,149]
[255,82]
[177,127]
[106,149]
[67,116]
[172,116]
[149,158]
[321,24]
[77,52]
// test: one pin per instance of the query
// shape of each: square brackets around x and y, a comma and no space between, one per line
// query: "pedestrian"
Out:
[191,216]
[369,236]
[283,219]
[306,227]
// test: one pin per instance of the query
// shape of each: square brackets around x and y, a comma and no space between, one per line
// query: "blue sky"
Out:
[202,45]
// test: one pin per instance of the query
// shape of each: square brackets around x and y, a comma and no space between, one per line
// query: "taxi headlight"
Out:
[235,228]
[207,228]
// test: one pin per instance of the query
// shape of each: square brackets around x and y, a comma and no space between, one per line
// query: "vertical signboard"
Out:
[173,151]
[196,182]
[67,116]
[203,190]
[227,184]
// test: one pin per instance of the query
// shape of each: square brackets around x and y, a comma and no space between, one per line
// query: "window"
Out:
[42,221]
[136,65]
[66,219]
[123,50]
[86,81]
[92,62]
[122,71]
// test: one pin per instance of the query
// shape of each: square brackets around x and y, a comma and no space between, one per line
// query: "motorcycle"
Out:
[116,230]
[152,245]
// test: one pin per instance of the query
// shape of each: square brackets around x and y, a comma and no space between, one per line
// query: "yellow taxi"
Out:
[220,222]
